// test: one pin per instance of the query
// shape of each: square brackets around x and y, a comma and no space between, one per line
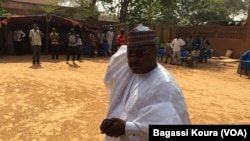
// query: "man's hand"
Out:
[106,123]
[117,129]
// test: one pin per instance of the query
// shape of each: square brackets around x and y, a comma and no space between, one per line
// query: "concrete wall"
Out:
[221,38]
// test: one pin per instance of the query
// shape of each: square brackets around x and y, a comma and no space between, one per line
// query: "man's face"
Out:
[122,31]
[35,27]
[141,60]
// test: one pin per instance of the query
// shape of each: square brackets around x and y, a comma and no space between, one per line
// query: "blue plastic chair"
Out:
[161,53]
[184,55]
[207,55]
[245,62]
[105,49]
[86,50]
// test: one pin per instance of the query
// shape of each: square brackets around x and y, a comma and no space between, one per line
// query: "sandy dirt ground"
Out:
[66,102]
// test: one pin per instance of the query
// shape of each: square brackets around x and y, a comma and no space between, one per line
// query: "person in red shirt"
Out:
[120,39]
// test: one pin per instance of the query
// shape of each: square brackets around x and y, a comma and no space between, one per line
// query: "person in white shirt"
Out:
[177,43]
[110,38]
[193,57]
[18,41]
[35,43]
[78,47]
[141,91]
[71,49]
[100,39]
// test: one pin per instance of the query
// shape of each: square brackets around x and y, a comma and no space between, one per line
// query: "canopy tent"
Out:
[45,23]
[52,19]
[3,21]
[40,18]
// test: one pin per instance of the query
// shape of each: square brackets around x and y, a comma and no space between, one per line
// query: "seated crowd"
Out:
[189,52]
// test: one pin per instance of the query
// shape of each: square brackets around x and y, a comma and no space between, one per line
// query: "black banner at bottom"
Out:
[199,132]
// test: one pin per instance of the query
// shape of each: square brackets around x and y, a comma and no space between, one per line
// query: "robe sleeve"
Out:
[162,103]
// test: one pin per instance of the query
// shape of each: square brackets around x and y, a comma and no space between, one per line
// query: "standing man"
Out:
[203,46]
[177,43]
[141,91]
[54,41]
[18,41]
[78,47]
[196,42]
[189,42]
[120,39]
[100,39]
[169,52]
[72,40]
[35,43]
[92,44]
[157,42]
[110,38]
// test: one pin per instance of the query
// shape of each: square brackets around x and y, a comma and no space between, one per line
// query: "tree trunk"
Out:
[93,3]
[150,11]
[124,10]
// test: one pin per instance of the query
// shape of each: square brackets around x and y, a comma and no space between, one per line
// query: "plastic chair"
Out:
[161,53]
[207,55]
[245,62]
[105,50]
[86,50]
[184,55]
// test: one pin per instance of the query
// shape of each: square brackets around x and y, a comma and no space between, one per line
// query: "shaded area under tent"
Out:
[45,22]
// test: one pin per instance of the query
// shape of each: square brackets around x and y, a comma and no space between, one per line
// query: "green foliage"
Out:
[189,12]
[121,8]
[3,12]
[236,7]
[81,10]
[54,10]
[210,10]
[166,13]
[138,11]
[89,14]
[176,12]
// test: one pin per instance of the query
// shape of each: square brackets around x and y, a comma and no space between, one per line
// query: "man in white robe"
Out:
[110,38]
[141,91]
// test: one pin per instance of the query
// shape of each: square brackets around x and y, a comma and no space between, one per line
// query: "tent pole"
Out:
[48,18]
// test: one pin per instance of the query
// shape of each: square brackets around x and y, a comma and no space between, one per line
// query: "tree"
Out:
[121,7]
[141,11]
[167,12]
[3,12]
[84,10]
[235,8]
[210,10]
[186,12]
